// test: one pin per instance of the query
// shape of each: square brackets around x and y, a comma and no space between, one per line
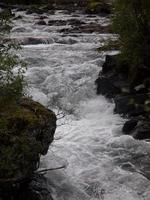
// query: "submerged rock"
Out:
[57,22]
[26,132]
[41,22]
[86,28]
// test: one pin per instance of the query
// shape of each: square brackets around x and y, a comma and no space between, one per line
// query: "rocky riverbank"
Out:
[26,132]
[131,102]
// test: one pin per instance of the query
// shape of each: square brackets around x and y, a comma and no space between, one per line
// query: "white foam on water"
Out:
[99,162]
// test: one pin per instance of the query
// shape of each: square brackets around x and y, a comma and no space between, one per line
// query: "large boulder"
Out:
[110,84]
[112,80]
[106,86]
[131,105]
[26,131]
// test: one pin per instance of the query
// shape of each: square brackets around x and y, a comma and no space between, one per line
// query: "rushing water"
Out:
[100,163]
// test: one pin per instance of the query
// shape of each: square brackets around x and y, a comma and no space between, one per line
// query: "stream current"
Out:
[99,162]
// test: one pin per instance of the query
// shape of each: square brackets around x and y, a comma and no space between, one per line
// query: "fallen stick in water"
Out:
[50,169]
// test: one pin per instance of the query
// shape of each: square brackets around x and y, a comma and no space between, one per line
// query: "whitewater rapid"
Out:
[99,162]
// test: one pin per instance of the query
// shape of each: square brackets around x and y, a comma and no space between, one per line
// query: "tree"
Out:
[11,67]
[132,22]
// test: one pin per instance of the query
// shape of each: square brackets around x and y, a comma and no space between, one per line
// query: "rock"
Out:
[57,22]
[143,131]
[75,22]
[130,97]
[142,134]
[21,8]
[99,8]
[141,89]
[19,29]
[110,84]
[42,17]
[139,74]
[33,41]
[131,105]
[26,132]
[114,64]
[40,10]
[105,86]
[41,22]
[109,64]
[37,11]
[37,189]
[86,28]
[129,126]
[18,17]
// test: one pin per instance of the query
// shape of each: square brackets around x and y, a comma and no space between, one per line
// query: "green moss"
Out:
[23,130]
[99,6]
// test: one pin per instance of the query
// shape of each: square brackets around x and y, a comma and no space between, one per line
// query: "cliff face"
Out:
[26,132]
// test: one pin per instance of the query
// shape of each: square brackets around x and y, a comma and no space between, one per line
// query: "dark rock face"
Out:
[26,132]
[142,131]
[110,83]
[129,126]
[131,105]
[106,86]
[109,64]
[37,189]
[141,73]
[129,98]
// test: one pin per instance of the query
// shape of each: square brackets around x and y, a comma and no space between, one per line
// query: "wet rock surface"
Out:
[86,28]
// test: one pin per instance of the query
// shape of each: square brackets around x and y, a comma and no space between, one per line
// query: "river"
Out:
[99,162]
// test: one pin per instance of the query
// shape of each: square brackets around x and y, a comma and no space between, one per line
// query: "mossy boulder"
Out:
[99,7]
[26,131]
